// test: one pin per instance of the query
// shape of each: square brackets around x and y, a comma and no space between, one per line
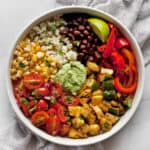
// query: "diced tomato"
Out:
[53,125]
[52,112]
[64,129]
[33,81]
[25,110]
[61,114]
[56,90]
[42,91]
[70,100]
[42,105]
[32,107]
[39,118]
[60,109]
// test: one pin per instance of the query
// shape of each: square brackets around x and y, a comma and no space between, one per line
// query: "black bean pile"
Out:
[82,36]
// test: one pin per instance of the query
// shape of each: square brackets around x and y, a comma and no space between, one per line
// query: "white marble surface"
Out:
[14,14]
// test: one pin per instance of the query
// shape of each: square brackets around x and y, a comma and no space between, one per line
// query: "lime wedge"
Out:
[100,27]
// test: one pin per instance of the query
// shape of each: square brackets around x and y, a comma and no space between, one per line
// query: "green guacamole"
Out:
[71,76]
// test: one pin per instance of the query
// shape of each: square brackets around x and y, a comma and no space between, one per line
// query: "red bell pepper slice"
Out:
[132,83]
[110,46]
[129,55]
[120,88]
[118,61]
[121,43]
[102,48]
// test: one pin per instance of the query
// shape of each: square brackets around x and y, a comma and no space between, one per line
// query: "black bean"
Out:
[84,51]
[95,40]
[77,33]
[86,32]
[69,24]
[84,41]
[81,27]
[75,23]
[91,58]
[93,46]
[70,29]
[91,51]
[80,56]
[82,46]
[63,30]
[90,38]
[88,45]
[88,27]
[81,35]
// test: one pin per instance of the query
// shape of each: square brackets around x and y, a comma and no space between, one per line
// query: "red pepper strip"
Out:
[126,90]
[128,54]
[101,48]
[123,89]
[121,43]
[118,61]
[110,46]
[131,75]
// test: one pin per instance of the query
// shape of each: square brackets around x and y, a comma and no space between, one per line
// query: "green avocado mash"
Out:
[71,76]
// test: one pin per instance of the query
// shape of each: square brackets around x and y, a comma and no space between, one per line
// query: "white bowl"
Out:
[124,119]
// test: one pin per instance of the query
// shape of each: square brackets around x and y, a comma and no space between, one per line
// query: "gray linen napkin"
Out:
[135,14]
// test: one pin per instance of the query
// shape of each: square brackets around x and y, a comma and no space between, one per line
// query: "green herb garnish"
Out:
[53,28]
[47,63]
[32,108]
[22,65]
[77,43]
[34,92]
[69,98]
[24,100]
[66,112]
[61,53]
[60,22]
[69,121]
[81,117]
[53,101]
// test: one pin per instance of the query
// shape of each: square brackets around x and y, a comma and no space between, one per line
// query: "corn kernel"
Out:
[40,54]
[34,58]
